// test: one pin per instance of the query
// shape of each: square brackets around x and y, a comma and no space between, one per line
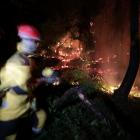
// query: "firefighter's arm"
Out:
[13,74]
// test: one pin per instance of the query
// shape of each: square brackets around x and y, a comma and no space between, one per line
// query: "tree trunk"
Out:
[127,83]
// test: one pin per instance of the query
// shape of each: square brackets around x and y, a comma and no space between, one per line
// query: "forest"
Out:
[93,47]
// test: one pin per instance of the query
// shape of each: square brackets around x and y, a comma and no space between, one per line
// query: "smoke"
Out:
[112,35]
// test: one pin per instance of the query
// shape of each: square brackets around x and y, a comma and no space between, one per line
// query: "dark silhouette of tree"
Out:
[127,83]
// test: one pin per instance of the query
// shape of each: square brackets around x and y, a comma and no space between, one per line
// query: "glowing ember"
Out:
[68,49]
[109,88]
[135,92]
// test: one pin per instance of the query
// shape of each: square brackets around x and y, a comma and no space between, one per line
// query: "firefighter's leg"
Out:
[11,137]
[40,119]
[8,130]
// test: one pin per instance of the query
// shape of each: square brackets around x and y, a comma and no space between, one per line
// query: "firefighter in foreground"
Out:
[17,101]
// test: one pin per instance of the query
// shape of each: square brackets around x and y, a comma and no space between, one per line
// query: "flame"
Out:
[109,89]
[68,49]
[135,92]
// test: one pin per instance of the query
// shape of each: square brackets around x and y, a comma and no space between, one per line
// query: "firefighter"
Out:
[16,88]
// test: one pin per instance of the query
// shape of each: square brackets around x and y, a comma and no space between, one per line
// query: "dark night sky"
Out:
[38,10]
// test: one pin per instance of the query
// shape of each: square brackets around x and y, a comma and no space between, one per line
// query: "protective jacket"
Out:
[14,76]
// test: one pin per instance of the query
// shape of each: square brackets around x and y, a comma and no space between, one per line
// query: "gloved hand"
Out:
[50,76]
